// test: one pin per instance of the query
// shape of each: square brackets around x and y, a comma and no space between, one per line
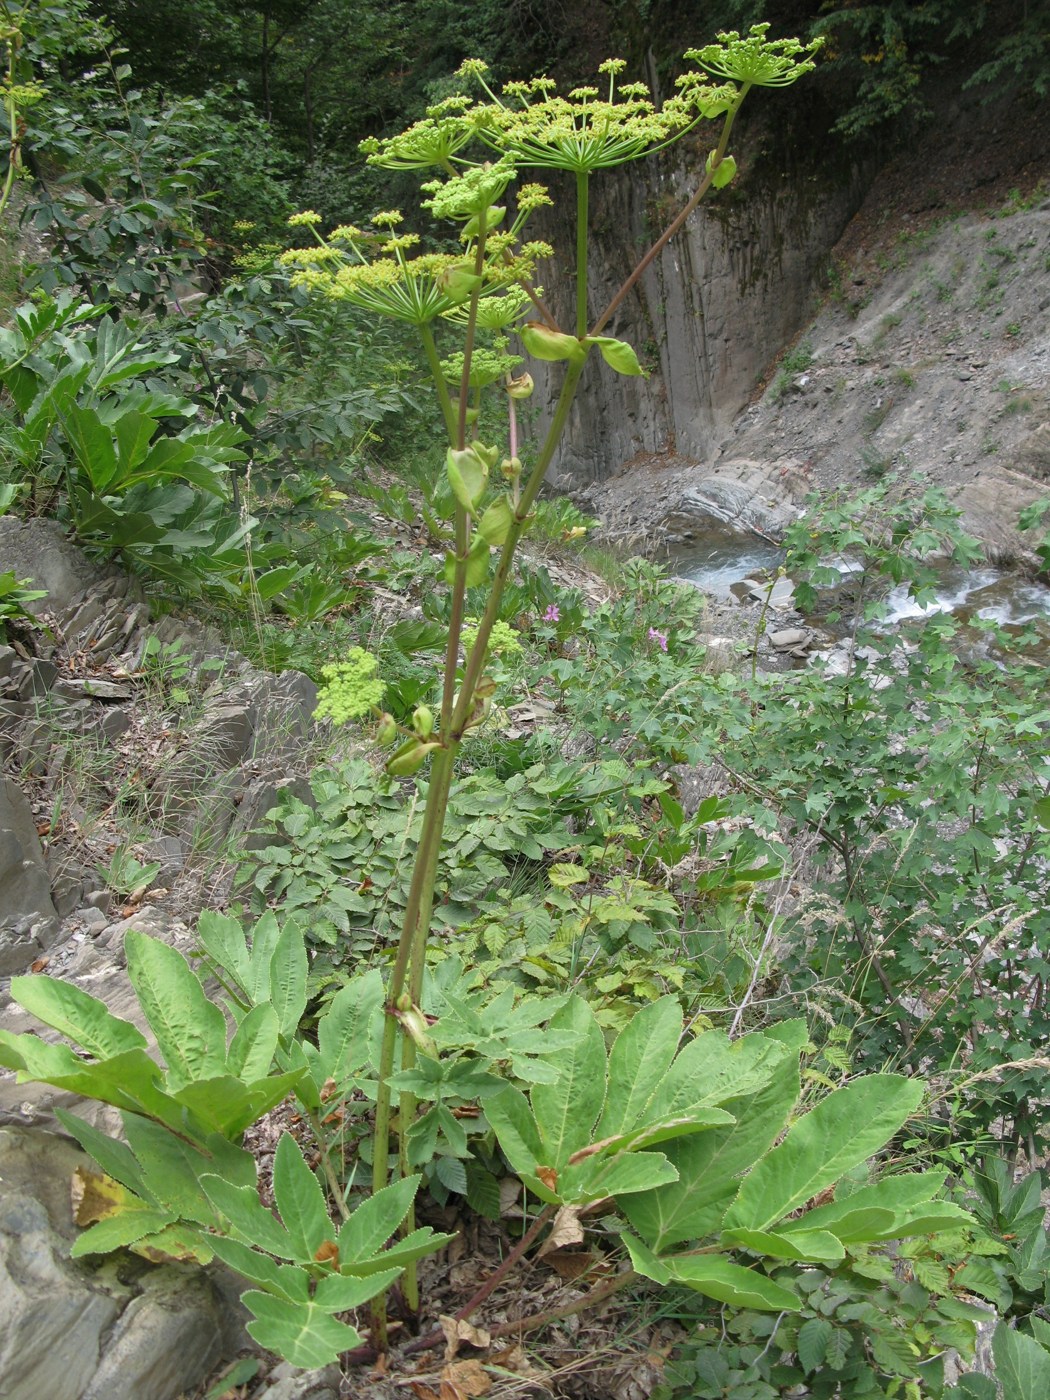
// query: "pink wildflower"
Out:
[661,637]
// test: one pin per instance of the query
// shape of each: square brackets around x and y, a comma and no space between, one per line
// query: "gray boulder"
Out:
[28,918]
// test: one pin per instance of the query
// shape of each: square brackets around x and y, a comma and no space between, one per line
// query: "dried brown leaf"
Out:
[462,1380]
[566,1230]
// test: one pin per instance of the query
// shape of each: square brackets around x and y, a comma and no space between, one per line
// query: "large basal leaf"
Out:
[892,1195]
[135,1222]
[302,1333]
[288,968]
[341,1292]
[223,940]
[247,1218]
[76,1014]
[638,1064]
[300,1201]
[265,935]
[808,1246]
[510,1118]
[730,1283]
[600,1176]
[133,432]
[190,1030]
[566,1111]
[375,1220]
[225,1105]
[253,1046]
[711,1164]
[92,444]
[713,1070]
[843,1130]
[283,1280]
[343,1030]
[128,1081]
[114,1157]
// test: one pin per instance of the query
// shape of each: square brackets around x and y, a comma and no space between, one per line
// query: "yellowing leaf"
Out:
[562,875]
[95,1196]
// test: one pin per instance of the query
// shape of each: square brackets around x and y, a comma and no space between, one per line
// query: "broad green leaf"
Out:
[812,1345]
[645,1261]
[340,1292]
[1042,812]
[698,1122]
[133,1223]
[1021,1364]
[402,1252]
[711,1164]
[973,1387]
[810,1246]
[190,1030]
[76,1014]
[302,1333]
[114,1157]
[343,1030]
[133,432]
[855,1226]
[726,1282]
[895,1352]
[567,1110]
[265,934]
[714,1070]
[896,1194]
[247,1216]
[172,1168]
[129,1081]
[92,444]
[375,1221]
[600,1176]
[511,1119]
[288,969]
[226,1105]
[285,1280]
[638,1065]
[252,1048]
[840,1132]
[300,1201]
[222,938]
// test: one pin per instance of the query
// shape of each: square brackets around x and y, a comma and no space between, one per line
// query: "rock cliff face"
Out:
[708,316]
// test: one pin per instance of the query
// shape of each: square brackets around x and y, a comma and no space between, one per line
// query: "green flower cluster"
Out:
[351,688]
[503,639]
[586,131]
[757,61]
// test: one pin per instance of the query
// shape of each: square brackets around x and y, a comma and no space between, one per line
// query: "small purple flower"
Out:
[661,637]
[552,614]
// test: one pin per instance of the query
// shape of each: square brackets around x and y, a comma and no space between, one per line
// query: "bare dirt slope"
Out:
[931,354]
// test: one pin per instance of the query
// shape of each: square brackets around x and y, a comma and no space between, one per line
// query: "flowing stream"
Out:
[719,557]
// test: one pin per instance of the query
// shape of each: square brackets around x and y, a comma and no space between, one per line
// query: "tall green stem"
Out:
[583,181]
[672,228]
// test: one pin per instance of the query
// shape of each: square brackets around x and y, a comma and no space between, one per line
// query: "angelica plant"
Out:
[488,290]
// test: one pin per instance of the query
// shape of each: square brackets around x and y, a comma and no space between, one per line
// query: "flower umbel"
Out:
[351,688]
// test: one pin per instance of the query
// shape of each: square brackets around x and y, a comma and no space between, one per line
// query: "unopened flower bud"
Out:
[387,731]
[521,387]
